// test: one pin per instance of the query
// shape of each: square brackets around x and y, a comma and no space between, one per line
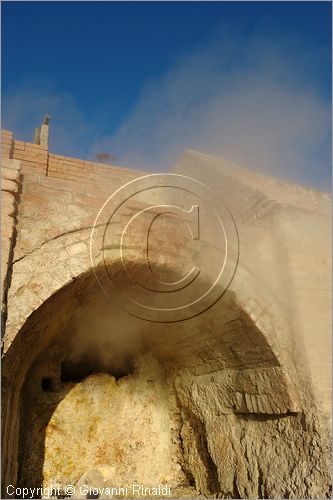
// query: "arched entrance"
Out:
[102,395]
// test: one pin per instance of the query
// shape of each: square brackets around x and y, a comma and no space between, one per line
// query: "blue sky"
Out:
[250,81]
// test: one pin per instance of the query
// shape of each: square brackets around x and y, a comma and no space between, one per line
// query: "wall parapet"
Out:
[36,158]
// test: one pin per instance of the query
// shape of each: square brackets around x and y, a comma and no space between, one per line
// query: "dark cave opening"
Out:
[47,384]
[77,370]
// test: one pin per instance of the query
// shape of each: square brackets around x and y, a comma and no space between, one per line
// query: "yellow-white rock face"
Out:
[123,427]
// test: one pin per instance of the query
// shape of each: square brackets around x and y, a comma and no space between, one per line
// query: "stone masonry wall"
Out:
[35,181]
[36,158]
[247,408]
[10,194]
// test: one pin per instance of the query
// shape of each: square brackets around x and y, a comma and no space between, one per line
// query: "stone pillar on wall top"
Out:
[42,132]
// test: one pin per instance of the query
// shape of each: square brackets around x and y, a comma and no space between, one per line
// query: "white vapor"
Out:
[252,103]
[252,100]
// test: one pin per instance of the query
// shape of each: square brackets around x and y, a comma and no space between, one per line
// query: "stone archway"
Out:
[213,383]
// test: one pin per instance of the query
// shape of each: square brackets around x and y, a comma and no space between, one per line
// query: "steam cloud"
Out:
[105,340]
[262,104]
[255,105]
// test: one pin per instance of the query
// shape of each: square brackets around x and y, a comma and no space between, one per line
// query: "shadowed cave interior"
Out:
[118,400]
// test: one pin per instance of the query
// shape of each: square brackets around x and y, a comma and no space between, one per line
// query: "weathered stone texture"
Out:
[232,403]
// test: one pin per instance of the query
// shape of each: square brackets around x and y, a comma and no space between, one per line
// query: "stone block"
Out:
[9,185]
[7,203]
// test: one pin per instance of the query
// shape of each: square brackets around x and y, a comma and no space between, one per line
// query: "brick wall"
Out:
[37,159]
[6,144]
[76,169]
[31,155]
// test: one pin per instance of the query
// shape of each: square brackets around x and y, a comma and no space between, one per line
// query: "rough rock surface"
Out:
[232,403]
